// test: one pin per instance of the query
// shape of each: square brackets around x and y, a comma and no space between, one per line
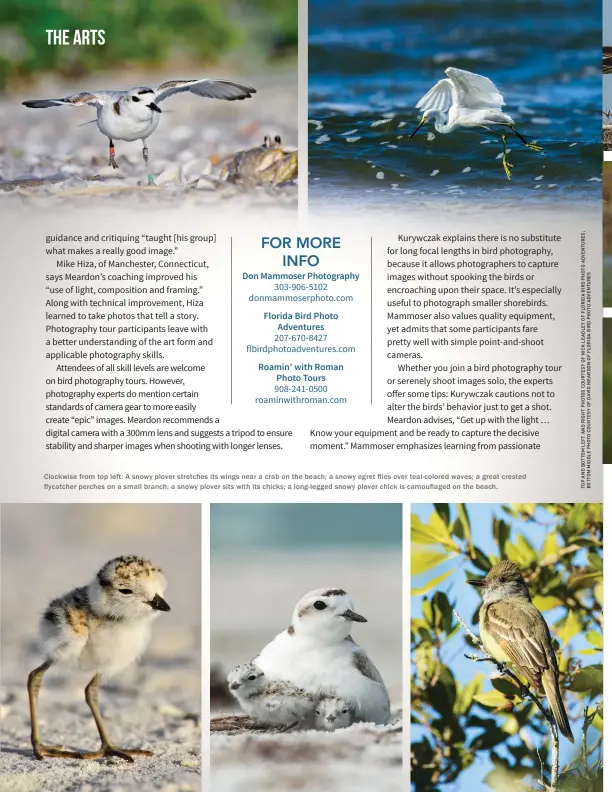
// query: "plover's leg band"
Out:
[145,156]
[107,748]
[111,154]
[40,750]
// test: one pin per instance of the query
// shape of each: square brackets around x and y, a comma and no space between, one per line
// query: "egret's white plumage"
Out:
[466,99]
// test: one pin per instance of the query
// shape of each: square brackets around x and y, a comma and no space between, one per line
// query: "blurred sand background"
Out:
[46,550]
[264,557]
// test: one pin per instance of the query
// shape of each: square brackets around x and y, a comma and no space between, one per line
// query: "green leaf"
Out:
[443,510]
[465,522]
[571,627]
[595,638]
[588,680]
[595,560]
[442,695]
[501,534]
[585,580]
[442,606]
[546,603]
[426,560]
[506,687]
[458,529]
[550,548]
[436,532]
[576,517]
[432,583]
[467,693]
[521,551]
[492,698]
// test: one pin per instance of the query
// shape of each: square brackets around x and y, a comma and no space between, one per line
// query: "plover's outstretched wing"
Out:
[208,89]
[97,99]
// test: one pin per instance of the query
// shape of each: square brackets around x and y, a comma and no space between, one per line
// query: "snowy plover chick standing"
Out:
[280,703]
[134,114]
[317,653]
[332,713]
[100,628]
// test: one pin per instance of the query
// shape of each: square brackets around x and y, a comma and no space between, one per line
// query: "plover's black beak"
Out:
[159,603]
[234,685]
[153,106]
[352,616]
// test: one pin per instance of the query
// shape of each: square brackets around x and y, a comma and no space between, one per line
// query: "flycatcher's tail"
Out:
[553,694]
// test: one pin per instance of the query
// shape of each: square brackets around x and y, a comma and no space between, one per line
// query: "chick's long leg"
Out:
[107,748]
[41,750]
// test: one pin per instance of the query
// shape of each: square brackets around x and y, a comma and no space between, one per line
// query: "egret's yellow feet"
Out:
[507,165]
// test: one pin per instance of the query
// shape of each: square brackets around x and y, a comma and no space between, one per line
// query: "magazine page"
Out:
[302,333]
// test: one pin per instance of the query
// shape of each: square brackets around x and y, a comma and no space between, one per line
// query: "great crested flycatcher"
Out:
[513,630]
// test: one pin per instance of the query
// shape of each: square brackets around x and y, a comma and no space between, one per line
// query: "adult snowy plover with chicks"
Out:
[134,114]
[316,653]
[101,628]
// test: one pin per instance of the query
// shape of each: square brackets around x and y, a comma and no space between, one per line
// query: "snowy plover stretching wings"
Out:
[317,653]
[134,114]
[265,701]
[332,713]
[100,628]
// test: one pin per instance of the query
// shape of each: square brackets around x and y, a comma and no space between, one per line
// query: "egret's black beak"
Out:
[159,603]
[421,122]
[352,616]
[153,106]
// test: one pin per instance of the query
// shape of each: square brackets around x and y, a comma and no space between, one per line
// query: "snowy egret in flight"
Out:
[465,99]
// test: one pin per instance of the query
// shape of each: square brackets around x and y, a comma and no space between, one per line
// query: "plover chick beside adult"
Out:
[134,114]
[316,652]
[101,628]
[266,701]
[332,713]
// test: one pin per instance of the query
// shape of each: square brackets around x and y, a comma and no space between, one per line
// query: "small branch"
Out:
[585,728]
[525,693]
